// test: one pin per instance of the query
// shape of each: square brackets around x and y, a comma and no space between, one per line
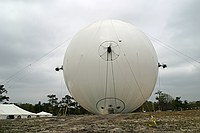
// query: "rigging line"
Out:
[113,81]
[123,76]
[119,65]
[100,79]
[114,45]
[43,60]
[136,81]
[106,81]
[132,72]
[27,71]
[134,77]
[37,60]
[186,59]
[12,76]
[89,49]
[92,37]
[102,54]
[166,45]
[114,30]
[48,53]
[60,89]
[130,68]
[112,62]
[20,78]
[117,36]
[159,81]
[115,53]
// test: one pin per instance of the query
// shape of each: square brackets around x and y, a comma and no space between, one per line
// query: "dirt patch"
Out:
[162,122]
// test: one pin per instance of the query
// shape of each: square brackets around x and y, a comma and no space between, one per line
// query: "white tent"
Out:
[44,114]
[11,111]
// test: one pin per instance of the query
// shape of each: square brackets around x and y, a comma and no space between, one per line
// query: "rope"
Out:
[115,30]
[106,81]
[135,77]
[159,81]
[152,118]
[164,44]
[176,52]
[34,62]
[113,82]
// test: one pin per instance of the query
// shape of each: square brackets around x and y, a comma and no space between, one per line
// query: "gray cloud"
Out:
[29,29]
[182,76]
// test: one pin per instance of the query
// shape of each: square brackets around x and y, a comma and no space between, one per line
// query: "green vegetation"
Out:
[2,92]
[166,102]
[68,105]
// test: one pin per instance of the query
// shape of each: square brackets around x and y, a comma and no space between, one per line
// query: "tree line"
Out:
[67,105]
[166,102]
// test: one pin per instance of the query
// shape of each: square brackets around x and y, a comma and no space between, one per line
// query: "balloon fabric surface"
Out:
[110,67]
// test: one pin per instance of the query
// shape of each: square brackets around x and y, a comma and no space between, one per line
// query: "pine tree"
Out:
[3,91]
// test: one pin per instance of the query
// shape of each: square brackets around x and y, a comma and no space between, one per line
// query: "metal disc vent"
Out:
[109,50]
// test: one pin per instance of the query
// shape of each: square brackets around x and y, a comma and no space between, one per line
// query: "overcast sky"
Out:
[29,29]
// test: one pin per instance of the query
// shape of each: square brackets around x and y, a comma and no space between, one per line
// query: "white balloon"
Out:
[110,67]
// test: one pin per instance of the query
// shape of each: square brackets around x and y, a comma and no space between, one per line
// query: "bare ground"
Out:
[166,122]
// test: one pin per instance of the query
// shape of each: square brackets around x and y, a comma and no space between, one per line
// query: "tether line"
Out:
[113,83]
[106,81]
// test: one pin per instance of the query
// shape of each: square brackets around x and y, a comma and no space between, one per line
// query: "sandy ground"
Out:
[163,122]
